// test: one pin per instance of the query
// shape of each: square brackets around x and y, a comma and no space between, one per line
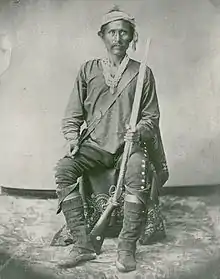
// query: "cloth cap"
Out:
[116,14]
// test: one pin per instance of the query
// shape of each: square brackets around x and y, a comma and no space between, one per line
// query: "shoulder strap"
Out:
[86,132]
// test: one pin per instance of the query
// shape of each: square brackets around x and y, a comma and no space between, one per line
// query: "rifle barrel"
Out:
[97,232]
[133,121]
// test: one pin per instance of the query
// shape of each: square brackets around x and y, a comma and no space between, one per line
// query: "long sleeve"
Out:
[74,113]
[149,110]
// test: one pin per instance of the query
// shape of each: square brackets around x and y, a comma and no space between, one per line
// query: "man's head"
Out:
[117,31]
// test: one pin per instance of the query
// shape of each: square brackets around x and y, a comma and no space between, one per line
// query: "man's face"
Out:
[117,37]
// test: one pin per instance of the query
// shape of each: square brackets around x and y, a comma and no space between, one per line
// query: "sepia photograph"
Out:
[109,139]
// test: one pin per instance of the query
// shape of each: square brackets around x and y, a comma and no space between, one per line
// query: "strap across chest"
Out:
[125,80]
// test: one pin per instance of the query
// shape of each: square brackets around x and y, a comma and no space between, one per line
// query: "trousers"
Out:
[90,158]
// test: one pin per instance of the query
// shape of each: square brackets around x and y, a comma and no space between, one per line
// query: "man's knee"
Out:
[65,171]
[63,164]
[137,170]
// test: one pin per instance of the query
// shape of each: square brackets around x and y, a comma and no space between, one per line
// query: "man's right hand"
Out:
[73,147]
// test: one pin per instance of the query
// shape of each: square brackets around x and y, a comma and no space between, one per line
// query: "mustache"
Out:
[117,45]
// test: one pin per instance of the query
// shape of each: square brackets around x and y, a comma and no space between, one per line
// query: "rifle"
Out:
[97,234]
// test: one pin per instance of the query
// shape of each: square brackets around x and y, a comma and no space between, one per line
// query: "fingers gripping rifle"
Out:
[97,234]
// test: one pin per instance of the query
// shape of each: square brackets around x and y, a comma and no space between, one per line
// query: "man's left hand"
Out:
[132,135]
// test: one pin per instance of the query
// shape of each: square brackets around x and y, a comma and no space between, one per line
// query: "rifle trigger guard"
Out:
[112,190]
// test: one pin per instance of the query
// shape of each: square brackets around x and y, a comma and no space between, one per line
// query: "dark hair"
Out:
[131,27]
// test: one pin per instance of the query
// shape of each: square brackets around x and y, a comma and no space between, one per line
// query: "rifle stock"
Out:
[97,234]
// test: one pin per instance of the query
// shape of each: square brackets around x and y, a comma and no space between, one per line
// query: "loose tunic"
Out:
[90,93]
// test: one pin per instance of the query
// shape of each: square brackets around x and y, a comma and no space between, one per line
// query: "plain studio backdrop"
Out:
[50,39]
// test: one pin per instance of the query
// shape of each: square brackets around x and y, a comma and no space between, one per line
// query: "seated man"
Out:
[102,97]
